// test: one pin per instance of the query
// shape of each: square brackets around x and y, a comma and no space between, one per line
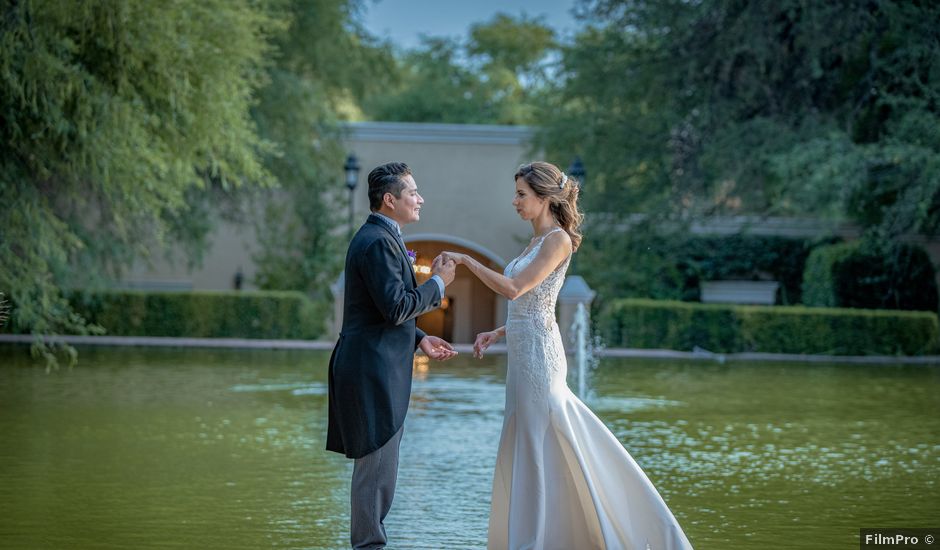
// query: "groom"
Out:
[370,370]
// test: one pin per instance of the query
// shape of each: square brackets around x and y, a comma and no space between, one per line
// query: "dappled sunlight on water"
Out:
[224,449]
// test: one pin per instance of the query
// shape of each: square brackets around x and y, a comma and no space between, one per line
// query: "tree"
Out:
[685,110]
[118,119]
[496,76]
[324,62]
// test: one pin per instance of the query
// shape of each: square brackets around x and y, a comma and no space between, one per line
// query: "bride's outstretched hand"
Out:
[483,341]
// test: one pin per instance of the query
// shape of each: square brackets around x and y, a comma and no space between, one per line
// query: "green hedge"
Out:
[202,314]
[640,323]
[819,287]
[861,275]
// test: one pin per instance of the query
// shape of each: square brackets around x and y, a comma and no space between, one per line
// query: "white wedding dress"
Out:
[563,481]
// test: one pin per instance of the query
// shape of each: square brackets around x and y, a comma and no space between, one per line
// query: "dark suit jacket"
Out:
[370,369]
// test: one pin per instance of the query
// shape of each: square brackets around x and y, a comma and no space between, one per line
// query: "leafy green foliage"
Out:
[114,114]
[496,76]
[838,331]
[637,262]
[323,61]
[686,110]
[4,310]
[743,257]
[859,275]
[203,314]
[517,44]
[896,277]
[640,323]
[134,126]
[819,285]
[673,266]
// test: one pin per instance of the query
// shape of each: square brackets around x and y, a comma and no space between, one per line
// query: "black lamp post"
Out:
[352,178]
[576,170]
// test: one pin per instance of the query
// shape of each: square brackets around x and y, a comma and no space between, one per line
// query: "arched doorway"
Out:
[469,307]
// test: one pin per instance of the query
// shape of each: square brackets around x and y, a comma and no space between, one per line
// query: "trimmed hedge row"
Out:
[859,276]
[641,323]
[202,314]
[819,287]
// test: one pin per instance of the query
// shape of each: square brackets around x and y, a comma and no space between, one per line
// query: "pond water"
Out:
[181,448]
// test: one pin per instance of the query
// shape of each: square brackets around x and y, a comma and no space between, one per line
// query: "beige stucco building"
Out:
[464,173]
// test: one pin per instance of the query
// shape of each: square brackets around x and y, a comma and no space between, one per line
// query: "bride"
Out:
[562,480]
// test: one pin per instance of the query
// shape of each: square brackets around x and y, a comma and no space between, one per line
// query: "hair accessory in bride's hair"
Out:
[564,180]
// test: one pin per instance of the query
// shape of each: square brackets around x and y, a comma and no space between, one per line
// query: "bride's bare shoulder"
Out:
[558,241]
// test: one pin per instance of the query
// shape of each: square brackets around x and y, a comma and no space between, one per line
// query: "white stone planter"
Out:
[739,292]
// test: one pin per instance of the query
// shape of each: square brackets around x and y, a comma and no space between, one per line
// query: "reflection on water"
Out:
[224,449]
[299,388]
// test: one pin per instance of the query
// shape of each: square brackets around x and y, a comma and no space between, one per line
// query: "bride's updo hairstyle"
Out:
[561,191]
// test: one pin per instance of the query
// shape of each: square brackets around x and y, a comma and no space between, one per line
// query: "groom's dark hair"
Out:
[386,179]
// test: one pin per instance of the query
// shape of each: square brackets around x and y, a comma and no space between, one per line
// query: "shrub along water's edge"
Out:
[642,323]
[202,314]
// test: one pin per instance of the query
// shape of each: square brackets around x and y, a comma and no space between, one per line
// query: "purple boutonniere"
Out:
[412,255]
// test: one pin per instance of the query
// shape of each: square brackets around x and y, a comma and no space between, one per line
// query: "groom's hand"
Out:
[437,348]
[444,269]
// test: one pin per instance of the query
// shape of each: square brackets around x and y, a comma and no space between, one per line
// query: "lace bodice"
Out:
[538,304]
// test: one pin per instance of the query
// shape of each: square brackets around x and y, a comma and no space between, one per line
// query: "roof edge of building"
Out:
[415,132]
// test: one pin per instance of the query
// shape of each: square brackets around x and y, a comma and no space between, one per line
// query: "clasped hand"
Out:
[455,257]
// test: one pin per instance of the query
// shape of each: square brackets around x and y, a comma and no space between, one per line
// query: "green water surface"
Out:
[181,448]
